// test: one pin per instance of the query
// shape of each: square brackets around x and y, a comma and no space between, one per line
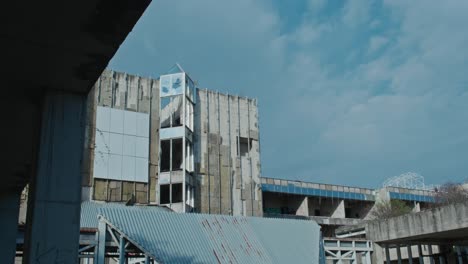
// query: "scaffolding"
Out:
[408,180]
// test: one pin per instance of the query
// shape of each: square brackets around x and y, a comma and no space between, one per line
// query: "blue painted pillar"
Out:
[9,210]
[53,225]
[122,250]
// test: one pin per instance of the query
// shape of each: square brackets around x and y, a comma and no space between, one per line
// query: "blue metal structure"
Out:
[292,189]
[411,197]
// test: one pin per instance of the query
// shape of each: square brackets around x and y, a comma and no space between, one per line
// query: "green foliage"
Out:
[387,209]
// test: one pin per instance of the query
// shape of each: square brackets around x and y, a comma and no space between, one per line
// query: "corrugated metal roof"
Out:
[200,238]
[90,211]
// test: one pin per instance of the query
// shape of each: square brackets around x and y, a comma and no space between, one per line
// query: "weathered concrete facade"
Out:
[226,147]
[227,154]
[131,93]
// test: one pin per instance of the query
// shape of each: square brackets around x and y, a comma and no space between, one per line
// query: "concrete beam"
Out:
[444,225]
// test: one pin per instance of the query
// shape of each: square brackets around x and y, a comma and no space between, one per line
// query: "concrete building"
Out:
[164,141]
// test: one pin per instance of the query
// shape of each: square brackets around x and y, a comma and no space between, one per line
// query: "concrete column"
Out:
[9,211]
[339,210]
[410,254]
[431,256]
[387,254]
[303,208]
[398,251]
[420,252]
[53,221]
[459,255]
[377,254]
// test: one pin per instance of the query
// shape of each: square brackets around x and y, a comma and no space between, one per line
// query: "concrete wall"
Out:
[429,224]
[225,126]
[126,92]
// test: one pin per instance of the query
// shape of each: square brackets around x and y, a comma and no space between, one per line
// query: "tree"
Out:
[388,209]
[450,193]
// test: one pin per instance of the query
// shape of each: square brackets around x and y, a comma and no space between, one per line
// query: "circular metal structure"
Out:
[409,180]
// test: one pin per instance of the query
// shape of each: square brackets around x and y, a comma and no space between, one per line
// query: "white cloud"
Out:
[356,12]
[329,111]
[377,42]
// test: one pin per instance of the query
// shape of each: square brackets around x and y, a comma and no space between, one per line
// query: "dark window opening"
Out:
[177,193]
[347,212]
[164,194]
[177,154]
[165,155]
[317,212]
[243,146]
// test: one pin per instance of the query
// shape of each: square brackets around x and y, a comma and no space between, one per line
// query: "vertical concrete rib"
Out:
[238,155]
[398,250]
[410,254]
[387,255]
[208,150]
[219,157]
[252,196]
[230,153]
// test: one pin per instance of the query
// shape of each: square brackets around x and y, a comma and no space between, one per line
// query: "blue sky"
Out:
[350,92]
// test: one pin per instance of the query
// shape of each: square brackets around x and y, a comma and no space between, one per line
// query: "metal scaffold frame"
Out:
[110,242]
[348,251]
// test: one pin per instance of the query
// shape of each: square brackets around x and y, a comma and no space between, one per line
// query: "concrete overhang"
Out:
[443,225]
[53,45]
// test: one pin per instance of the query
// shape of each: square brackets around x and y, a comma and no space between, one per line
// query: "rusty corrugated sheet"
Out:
[201,238]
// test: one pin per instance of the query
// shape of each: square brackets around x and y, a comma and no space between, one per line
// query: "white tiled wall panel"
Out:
[115,167]
[130,123]
[101,163]
[141,170]
[129,145]
[102,141]
[128,168]
[116,144]
[122,145]
[142,125]
[117,121]
[141,147]
[103,118]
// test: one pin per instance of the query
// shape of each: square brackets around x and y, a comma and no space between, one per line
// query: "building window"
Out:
[164,194]
[171,155]
[177,193]
[244,146]
[171,111]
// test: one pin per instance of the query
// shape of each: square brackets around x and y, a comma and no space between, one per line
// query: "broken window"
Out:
[164,193]
[177,154]
[171,110]
[188,156]
[177,193]
[189,114]
[243,146]
[171,155]
[165,155]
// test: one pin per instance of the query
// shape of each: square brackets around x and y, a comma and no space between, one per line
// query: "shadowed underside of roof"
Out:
[200,238]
